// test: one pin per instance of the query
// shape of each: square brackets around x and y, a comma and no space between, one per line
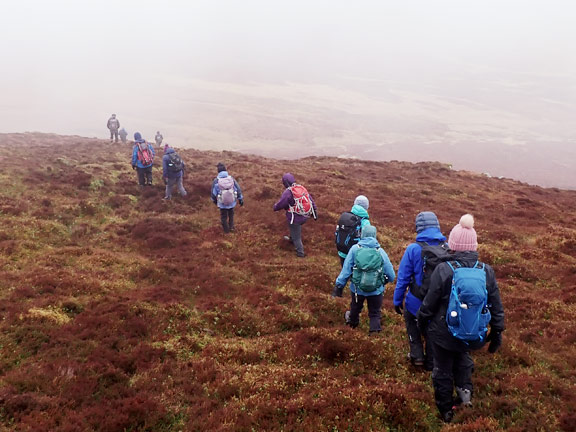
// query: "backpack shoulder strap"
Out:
[453,264]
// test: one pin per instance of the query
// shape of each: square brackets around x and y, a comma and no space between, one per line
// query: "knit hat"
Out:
[137,136]
[368,231]
[221,167]
[426,219]
[362,201]
[463,236]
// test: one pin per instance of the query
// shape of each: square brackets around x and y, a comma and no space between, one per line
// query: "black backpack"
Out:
[431,257]
[175,163]
[347,231]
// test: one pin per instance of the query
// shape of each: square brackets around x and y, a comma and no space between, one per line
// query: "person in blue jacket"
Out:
[409,272]
[141,162]
[374,298]
[226,206]
[172,173]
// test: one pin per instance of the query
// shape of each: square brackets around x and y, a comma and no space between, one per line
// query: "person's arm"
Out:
[405,272]
[347,268]
[134,155]
[284,201]
[151,147]
[387,267]
[315,209]
[165,167]
[494,301]
[214,191]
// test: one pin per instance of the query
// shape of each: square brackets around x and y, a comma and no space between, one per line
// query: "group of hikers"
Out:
[448,298]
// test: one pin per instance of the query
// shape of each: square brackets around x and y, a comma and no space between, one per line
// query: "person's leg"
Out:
[169,186]
[116,136]
[181,186]
[356,306]
[231,218]
[429,357]
[462,370]
[296,236]
[414,339]
[141,176]
[375,312]
[224,220]
[443,378]
[111,135]
[149,176]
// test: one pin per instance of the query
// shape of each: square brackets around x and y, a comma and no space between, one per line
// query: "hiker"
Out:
[142,160]
[350,225]
[463,298]
[113,124]
[299,205]
[414,273]
[123,135]
[225,193]
[158,138]
[172,172]
[370,270]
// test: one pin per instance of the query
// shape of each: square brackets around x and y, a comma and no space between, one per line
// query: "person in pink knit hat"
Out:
[453,364]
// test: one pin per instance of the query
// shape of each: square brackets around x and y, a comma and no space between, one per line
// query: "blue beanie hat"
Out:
[362,201]
[368,231]
[137,136]
[425,220]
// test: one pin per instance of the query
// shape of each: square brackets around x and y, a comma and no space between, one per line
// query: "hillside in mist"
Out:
[123,312]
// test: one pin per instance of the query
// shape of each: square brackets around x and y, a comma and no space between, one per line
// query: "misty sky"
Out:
[68,64]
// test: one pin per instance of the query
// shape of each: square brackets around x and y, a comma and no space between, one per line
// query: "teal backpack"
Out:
[467,315]
[367,272]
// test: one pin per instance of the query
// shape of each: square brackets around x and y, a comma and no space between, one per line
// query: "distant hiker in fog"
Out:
[414,274]
[123,135]
[370,269]
[225,193]
[142,160]
[462,300]
[158,138]
[113,125]
[349,227]
[299,206]
[172,172]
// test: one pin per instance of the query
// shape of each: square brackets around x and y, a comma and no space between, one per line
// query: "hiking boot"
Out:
[288,239]
[301,255]
[374,333]
[347,318]
[167,198]
[464,396]
[417,362]
[447,416]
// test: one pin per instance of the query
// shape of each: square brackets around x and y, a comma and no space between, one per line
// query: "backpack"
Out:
[175,163]
[347,231]
[467,315]
[144,154]
[367,272]
[302,202]
[431,257]
[227,195]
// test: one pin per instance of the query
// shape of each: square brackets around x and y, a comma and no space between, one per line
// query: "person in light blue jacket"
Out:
[411,272]
[373,298]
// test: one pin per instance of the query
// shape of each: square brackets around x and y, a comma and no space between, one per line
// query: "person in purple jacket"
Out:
[294,217]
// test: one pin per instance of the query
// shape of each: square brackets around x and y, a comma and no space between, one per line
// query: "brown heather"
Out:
[121,312]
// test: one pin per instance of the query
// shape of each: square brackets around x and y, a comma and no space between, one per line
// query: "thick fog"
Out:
[488,86]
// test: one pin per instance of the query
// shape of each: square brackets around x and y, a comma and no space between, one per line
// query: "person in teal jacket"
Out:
[373,298]
[343,242]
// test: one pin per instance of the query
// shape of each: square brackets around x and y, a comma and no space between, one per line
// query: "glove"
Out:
[337,291]
[134,167]
[495,339]
[398,309]
[241,201]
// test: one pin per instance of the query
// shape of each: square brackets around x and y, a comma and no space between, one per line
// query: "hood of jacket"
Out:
[359,211]
[430,234]
[288,179]
[370,242]
[223,174]
[169,150]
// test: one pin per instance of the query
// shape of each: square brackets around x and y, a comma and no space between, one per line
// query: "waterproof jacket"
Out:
[435,304]
[361,213]
[113,123]
[123,134]
[166,172]
[411,269]
[287,200]
[348,267]
[135,160]
[216,191]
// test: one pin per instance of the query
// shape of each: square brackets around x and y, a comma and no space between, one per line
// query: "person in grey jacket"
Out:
[453,365]
[113,125]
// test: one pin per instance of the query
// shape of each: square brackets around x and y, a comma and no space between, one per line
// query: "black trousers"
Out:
[415,339]
[374,303]
[227,219]
[451,368]
[144,176]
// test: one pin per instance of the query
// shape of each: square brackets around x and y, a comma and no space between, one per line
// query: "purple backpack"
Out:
[227,194]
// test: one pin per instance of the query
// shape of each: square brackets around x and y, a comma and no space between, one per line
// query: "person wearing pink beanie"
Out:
[453,364]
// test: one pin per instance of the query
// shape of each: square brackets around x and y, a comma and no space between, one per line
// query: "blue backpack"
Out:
[467,315]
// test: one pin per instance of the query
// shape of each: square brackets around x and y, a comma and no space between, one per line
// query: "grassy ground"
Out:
[122,312]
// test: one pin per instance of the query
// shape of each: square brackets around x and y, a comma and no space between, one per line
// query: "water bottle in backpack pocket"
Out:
[468,315]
